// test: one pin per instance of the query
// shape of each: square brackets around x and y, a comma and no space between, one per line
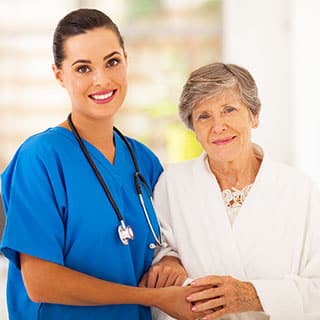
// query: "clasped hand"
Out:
[168,275]
[223,295]
[168,272]
[208,298]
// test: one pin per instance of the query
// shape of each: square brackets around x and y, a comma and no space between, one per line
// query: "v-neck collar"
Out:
[259,152]
[241,235]
[96,153]
[214,212]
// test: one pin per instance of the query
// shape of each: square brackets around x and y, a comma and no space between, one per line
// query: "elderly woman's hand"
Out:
[168,272]
[226,295]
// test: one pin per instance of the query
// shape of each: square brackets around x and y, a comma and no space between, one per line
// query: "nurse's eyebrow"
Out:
[80,61]
[111,54]
[89,61]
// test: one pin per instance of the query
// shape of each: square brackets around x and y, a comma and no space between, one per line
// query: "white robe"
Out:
[274,242]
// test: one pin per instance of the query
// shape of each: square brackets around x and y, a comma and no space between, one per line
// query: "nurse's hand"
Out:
[225,295]
[168,272]
[172,300]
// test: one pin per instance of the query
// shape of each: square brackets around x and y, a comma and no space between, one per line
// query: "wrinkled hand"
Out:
[173,301]
[168,272]
[226,295]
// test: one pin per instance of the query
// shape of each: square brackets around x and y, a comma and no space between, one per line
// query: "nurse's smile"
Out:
[103,97]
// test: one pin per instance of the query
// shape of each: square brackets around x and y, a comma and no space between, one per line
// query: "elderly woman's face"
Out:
[223,126]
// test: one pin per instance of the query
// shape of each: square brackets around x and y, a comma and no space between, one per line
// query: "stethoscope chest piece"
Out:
[125,233]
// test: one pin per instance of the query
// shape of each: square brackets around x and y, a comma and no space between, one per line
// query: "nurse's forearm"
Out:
[47,282]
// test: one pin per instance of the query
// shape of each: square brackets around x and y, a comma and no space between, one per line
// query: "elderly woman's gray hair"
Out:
[210,81]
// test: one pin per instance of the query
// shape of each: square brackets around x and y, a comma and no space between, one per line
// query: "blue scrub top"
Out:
[56,210]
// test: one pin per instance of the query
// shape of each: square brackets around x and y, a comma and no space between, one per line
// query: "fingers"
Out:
[179,280]
[211,293]
[170,280]
[144,280]
[210,300]
[192,290]
[173,302]
[209,280]
[226,293]
[214,314]
[164,274]
[152,277]
[160,280]
[210,305]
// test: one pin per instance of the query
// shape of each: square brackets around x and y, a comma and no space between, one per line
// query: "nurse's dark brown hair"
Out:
[78,22]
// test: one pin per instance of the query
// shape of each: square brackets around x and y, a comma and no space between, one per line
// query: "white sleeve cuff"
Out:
[162,252]
[279,298]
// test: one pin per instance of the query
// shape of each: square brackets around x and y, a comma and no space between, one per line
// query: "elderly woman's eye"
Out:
[203,116]
[83,69]
[229,109]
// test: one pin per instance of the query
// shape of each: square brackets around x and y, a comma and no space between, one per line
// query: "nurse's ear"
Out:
[58,74]
[126,57]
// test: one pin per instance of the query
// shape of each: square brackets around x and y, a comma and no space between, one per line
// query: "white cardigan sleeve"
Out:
[162,207]
[298,296]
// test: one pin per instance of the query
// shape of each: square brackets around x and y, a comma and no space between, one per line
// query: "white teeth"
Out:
[102,96]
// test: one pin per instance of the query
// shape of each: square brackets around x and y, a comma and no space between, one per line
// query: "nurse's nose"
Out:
[218,125]
[101,77]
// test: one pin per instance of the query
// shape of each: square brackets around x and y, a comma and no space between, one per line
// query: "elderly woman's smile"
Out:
[221,142]
[222,125]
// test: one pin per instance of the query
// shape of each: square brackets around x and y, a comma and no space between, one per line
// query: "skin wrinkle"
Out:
[222,125]
[225,116]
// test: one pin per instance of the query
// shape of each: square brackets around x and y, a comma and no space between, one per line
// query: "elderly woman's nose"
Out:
[218,125]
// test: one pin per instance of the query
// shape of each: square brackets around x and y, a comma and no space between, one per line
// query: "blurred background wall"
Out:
[277,40]
[164,39]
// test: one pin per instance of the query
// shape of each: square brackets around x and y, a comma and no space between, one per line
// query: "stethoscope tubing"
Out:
[123,228]
[158,240]
[95,169]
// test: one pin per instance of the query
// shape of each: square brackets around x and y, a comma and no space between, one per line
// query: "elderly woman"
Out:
[242,224]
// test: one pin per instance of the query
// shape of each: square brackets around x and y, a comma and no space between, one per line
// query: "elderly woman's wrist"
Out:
[254,299]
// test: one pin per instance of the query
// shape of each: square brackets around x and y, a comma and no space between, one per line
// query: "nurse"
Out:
[76,235]
[241,223]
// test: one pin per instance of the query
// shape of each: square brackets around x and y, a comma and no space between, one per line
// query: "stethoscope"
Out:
[125,231]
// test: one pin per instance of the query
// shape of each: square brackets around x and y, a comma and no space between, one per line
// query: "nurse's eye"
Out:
[83,69]
[113,62]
